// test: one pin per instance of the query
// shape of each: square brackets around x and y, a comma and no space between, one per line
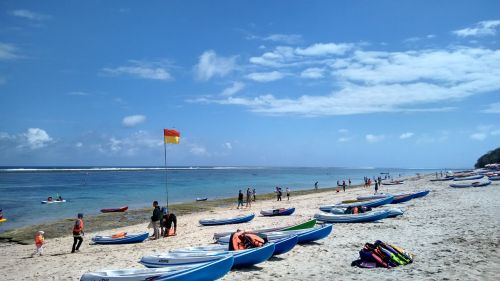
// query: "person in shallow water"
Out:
[78,233]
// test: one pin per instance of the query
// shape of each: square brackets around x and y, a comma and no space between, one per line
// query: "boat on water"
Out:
[201,199]
[207,271]
[114,210]
[277,212]
[53,201]
[239,219]
[120,238]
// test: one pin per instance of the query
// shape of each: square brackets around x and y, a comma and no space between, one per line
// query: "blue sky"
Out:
[267,83]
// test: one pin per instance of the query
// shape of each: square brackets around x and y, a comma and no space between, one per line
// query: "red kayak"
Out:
[111,210]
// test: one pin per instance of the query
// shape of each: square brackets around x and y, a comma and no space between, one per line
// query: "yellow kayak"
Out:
[3,220]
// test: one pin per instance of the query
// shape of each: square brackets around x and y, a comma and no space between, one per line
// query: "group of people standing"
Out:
[279,193]
[343,184]
[162,221]
[251,195]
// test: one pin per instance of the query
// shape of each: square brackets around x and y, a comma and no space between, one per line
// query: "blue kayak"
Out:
[371,203]
[277,212]
[420,194]
[310,235]
[201,272]
[400,198]
[242,258]
[352,218]
[494,178]
[475,177]
[234,220]
[125,239]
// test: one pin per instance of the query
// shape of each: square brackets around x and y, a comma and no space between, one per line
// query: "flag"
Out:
[171,136]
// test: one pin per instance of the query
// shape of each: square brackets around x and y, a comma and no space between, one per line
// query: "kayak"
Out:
[305,225]
[372,197]
[474,177]
[494,178]
[112,210]
[352,218]
[371,203]
[392,182]
[277,212]
[176,259]
[122,238]
[201,199]
[53,201]
[393,212]
[3,220]
[246,257]
[240,219]
[400,198]
[474,184]
[420,194]
[443,179]
[201,272]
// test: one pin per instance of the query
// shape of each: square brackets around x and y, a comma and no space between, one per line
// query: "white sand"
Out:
[454,234]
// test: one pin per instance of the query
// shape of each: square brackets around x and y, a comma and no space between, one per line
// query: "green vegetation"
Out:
[488,158]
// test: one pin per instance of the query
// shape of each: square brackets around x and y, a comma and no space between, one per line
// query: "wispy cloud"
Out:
[78,93]
[210,65]
[478,136]
[374,138]
[198,150]
[480,29]
[279,38]
[266,76]
[233,89]
[406,135]
[492,108]
[321,49]
[313,73]
[133,120]
[27,14]
[8,52]
[141,69]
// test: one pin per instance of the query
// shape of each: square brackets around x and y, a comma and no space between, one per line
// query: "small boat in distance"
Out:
[114,210]
[201,199]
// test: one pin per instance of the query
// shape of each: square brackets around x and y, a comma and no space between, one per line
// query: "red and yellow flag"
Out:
[171,136]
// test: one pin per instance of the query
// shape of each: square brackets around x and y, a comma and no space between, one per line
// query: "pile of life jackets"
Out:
[241,240]
[382,254]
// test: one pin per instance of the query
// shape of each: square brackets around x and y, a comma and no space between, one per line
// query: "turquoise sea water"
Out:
[87,190]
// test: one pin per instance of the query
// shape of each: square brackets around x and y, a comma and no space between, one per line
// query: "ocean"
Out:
[89,189]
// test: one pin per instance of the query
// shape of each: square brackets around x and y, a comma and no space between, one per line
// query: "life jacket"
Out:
[78,228]
[39,240]
[241,240]
[119,235]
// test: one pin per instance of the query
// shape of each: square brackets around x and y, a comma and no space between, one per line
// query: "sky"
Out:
[408,84]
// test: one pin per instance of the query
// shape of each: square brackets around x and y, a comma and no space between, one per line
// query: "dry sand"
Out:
[453,233]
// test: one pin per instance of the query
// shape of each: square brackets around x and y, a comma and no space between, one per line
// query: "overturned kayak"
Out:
[474,177]
[234,220]
[420,194]
[277,212]
[400,198]
[112,210]
[474,184]
[53,201]
[247,257]
[352,218]
[203,272]
[371,203]
[120,238]
[304,225]
[176,259]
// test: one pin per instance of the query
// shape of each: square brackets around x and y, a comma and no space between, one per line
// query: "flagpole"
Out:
[166,185]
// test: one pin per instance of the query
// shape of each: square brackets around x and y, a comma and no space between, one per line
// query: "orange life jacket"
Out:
[78,227]
[242,240]
[119,235]
[39,240]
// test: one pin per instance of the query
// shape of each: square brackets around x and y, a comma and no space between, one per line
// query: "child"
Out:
[39,241]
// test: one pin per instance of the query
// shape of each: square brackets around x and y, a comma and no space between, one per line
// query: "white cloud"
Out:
[277,58]
[284,38]
[228,145]
[29,15]
[374,138]
[322,49]
[198,150]
[79,144]
[266,76]
[312,73]
[36,138]
[233,89]
[492,108]
[343,131]
[406,135]
[78,93]
[141,69]
[343,139]
[482,28]
[131,145]
[133,120]
[8,52]
[478,136]
[211,65]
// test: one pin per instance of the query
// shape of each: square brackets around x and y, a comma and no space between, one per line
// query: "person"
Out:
[279,193]
[316,185]
[376,187]
[39,241]
[49,199]
[343,185]
[60,198]
[240,200]
[168,220]
[288,194]
[78,233]
[155,220]
[349,182]
[249,196]
[254,194]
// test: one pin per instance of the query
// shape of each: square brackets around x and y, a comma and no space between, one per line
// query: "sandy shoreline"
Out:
[454,234]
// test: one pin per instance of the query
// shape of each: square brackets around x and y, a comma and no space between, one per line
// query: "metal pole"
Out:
[166,185]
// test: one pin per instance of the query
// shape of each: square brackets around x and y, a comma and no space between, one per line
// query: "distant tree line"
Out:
[489,158]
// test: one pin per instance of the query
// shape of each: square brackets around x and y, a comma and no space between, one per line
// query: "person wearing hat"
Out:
[155,221]
[167,221]
[78,233]
[39,241]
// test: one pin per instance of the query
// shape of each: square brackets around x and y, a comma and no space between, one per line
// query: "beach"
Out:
[453,234]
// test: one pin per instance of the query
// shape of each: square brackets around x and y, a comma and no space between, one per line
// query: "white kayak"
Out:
[174,259]
[53,201]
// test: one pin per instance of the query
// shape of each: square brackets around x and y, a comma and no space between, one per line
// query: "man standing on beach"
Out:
[254,193]
[155,220]
[240,200]
[316,185]
[288,194]
[376,187]
[249,197]
[343,185]
[78,233]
